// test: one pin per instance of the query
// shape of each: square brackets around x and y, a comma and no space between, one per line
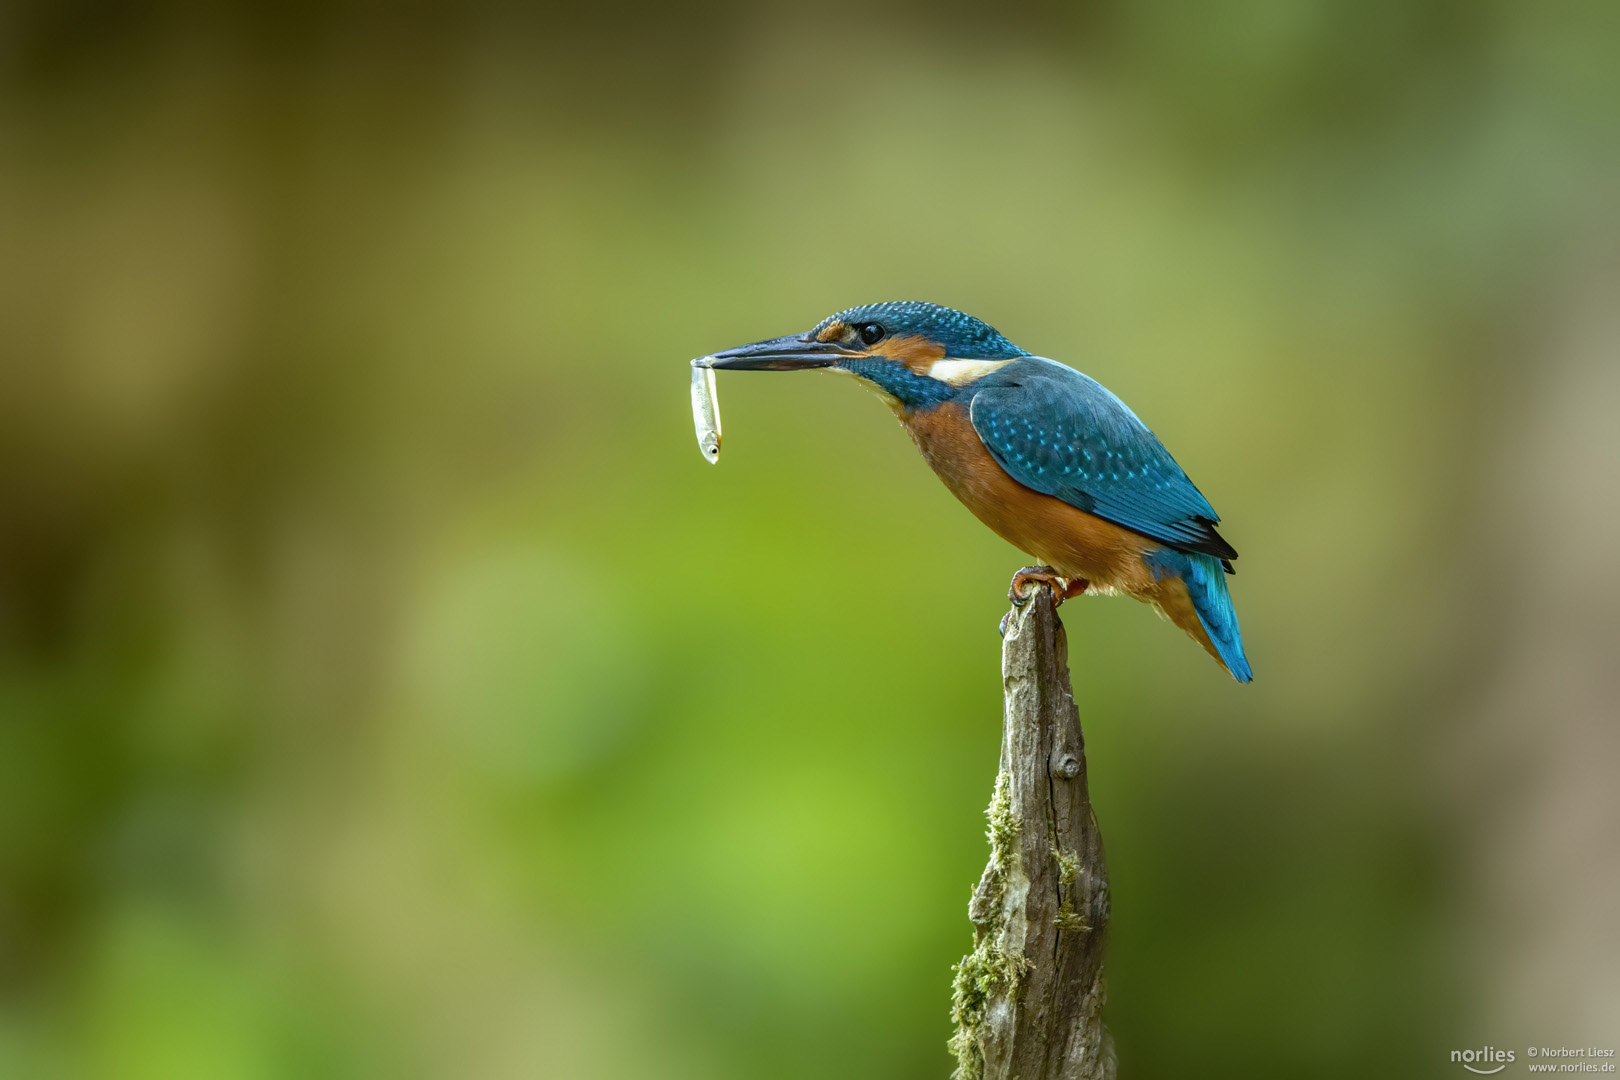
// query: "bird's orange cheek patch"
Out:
[916,352]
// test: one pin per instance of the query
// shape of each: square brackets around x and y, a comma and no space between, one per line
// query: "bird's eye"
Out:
[871,333]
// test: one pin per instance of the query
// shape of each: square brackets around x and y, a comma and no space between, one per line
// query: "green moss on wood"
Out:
[987,968]
[1067,919]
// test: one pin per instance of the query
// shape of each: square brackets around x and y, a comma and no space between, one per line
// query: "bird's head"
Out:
[912,352]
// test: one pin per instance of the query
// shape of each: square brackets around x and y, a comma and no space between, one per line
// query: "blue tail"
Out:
[1206,587]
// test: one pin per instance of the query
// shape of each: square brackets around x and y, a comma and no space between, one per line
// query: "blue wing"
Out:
[1064,434]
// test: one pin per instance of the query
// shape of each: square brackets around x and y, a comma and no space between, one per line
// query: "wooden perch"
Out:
[1028,1000]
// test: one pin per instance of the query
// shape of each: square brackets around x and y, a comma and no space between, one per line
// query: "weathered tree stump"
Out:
[1028,999]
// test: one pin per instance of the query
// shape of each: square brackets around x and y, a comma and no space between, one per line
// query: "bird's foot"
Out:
[1062,588]
[1032,575]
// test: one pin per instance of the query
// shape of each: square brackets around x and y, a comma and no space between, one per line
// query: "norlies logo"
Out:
[1484,1061]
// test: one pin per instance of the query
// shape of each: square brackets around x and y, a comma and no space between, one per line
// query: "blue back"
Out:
[1064,434]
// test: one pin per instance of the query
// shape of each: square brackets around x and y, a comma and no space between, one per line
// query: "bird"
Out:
[1046,456]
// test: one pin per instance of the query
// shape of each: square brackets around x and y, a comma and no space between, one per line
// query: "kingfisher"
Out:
[1044,455]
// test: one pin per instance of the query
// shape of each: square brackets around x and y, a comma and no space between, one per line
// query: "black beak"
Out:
[796,352]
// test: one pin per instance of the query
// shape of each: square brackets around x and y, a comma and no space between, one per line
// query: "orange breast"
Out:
[1074,543]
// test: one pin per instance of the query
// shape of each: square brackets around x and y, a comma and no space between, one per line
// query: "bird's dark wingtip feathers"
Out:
[1211,543]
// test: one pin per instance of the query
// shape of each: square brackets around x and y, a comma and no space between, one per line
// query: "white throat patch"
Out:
[961,372]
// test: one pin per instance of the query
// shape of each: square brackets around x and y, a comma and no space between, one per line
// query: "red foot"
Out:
[1062,589]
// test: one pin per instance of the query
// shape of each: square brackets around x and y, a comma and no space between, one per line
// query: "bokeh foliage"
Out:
[387,687]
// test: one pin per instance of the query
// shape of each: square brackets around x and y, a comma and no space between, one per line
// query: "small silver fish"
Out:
[705,409]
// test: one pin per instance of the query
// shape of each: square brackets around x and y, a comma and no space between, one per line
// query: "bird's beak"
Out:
[796,352]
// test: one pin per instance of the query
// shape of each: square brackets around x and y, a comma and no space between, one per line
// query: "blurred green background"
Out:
[388,687]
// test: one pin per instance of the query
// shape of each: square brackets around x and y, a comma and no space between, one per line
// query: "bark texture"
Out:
[1028,1000]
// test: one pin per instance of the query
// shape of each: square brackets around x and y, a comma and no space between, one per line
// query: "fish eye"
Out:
[871,333]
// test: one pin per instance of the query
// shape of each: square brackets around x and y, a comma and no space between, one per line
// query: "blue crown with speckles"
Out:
[962,335]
